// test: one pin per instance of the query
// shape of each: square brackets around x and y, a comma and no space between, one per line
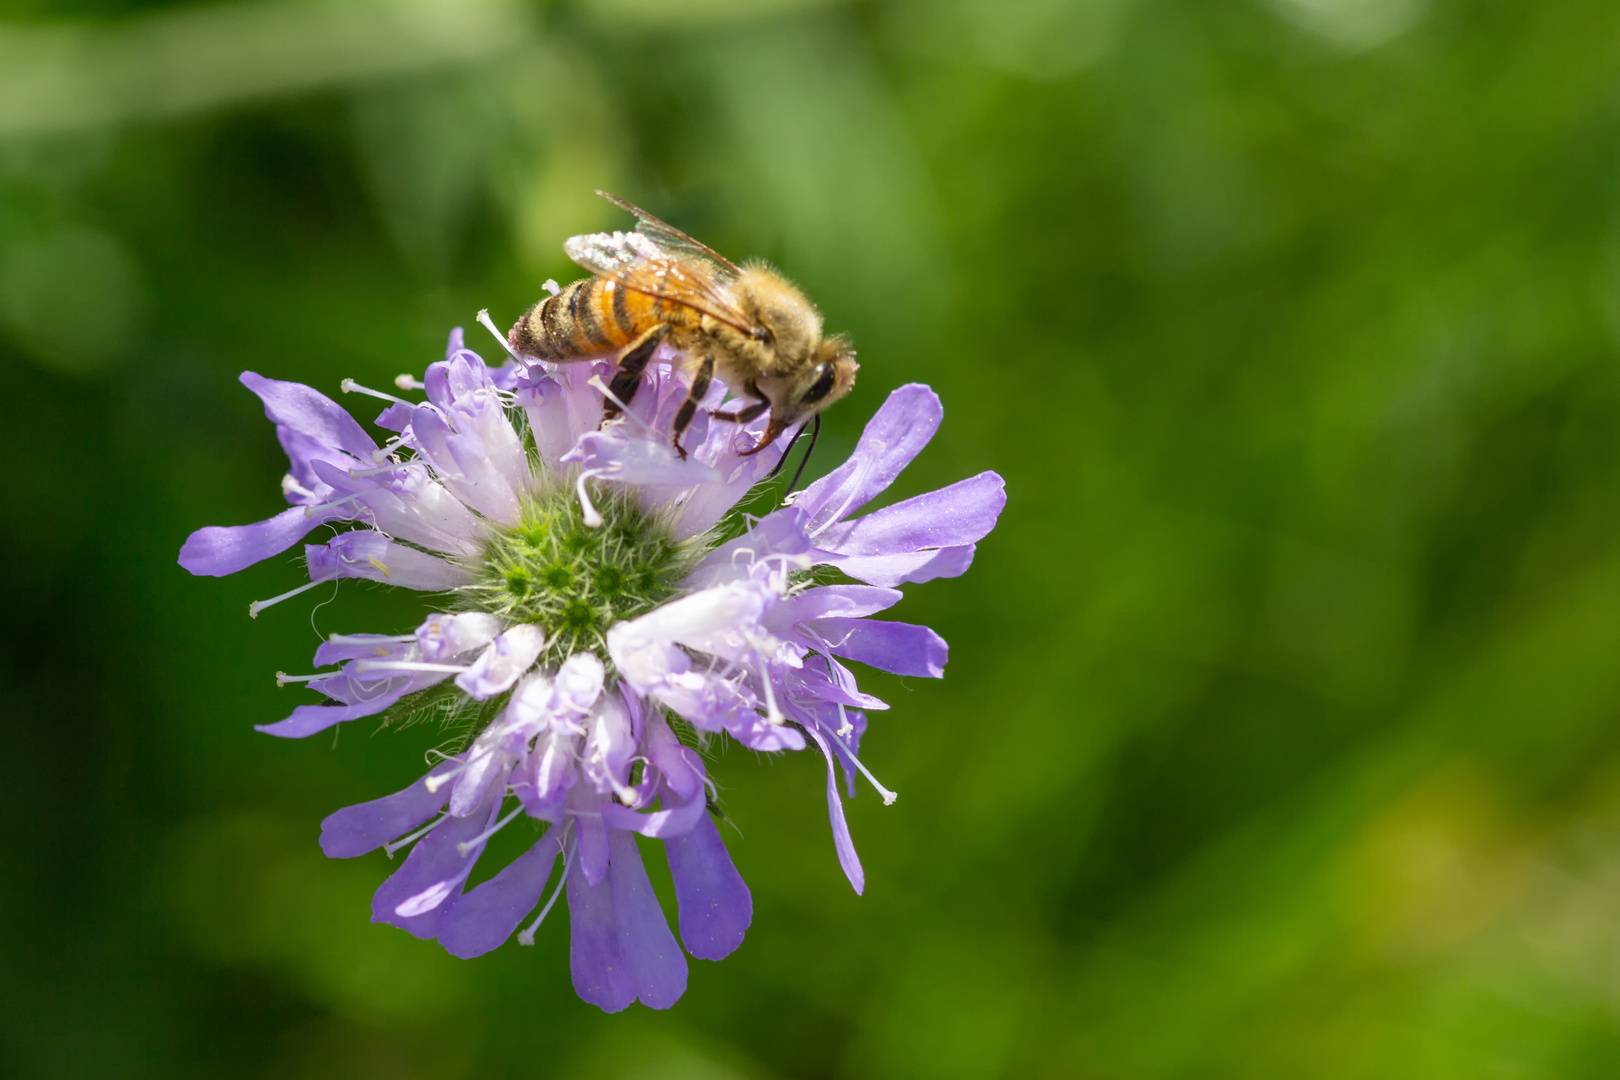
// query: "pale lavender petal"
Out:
[442,637]
[506,658]
[586,807]
[715,905]
[609,746]
[893,437]
[842,842]
[311,413]
[366,553]
[777,533]
[433,874]
[307,720]
[903,648]
[304,452]
[676,819]
[615,453]
[485,917]
[360,647]
[561,406]
[218,550]
[486,764]
[600,973]
[953,516]
[847,601]
[892,570]
[657,966]
[367,826]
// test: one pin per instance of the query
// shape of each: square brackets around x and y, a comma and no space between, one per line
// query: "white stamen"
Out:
[624,410]
[888,796]
[527,936]
[393,466]
[363,666]
[846,729]
[467,845]
[434,783]
[489,324]
[406,382]
[310,511]
[381,453]
[593,520]
[259,605]
[367,639]
[551,286]
[349,386]
[393,846]
[289,486]
[282,678]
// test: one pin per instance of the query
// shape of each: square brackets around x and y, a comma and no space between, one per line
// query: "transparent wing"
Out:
[662,261]
[676,242]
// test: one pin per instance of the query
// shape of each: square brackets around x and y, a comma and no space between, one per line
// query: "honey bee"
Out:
[748,326]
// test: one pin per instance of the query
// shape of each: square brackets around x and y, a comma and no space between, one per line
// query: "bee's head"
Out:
[827,376]
[818,384]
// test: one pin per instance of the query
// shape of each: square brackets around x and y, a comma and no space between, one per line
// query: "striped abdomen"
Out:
[592,317]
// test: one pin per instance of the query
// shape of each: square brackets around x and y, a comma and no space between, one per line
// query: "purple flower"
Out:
[600,628]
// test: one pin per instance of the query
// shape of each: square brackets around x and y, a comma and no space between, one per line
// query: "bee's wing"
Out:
[660,260]
[676,242]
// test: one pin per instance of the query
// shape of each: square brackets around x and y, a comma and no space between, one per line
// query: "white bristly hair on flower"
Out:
[606,612]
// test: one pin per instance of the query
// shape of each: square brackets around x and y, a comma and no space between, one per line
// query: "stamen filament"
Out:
[394,845]
[349,386]
[434,783]
[367,639]
[289,486]
[361,474]
[888,796]
[363,666]
[406,382]
[282,678]
[259,605]
[526,937]
[467,845]
[489,324]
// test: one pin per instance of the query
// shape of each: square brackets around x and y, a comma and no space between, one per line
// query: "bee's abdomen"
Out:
[588,318]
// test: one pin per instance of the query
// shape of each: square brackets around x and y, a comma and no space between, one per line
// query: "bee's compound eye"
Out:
[822,386]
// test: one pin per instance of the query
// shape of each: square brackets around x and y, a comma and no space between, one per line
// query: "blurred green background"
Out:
[1281,736]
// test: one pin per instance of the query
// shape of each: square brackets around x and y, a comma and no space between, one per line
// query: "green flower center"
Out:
[576,582]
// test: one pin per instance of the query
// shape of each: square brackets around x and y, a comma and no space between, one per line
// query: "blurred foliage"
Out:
[1282,731]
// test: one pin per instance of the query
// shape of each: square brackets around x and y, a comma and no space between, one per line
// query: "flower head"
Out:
[602,619]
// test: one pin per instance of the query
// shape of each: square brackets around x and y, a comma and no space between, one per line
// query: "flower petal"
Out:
[715,905]
[311,413]
[657,966]
[506,658]
[842,842]
[414,896]
[595,961]
[892,570]
[953,516]
[366,553]
[218,550]
[367,826]
[485,917]
[893,437]
[903,648]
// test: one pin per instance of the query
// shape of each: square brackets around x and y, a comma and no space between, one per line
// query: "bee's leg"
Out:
[632,362]
[744,415]
[700,386]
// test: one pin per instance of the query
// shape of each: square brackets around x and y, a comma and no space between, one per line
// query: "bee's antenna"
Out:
[815,433]
[781,461]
